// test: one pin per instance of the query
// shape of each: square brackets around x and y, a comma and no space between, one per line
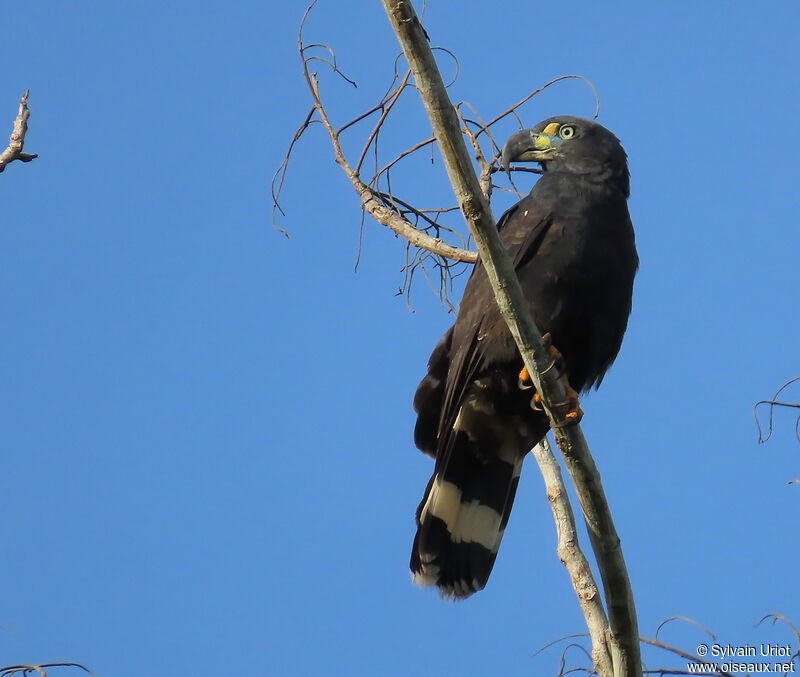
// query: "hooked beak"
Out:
[528,146]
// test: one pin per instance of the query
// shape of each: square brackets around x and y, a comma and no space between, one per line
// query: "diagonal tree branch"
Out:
[623,638]
[570,553]
[17,140]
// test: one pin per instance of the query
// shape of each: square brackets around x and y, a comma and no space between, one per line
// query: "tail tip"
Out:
[451,591]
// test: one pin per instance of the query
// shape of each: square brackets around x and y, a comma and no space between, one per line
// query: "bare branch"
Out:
[17,140]
[623,638]
[572,557]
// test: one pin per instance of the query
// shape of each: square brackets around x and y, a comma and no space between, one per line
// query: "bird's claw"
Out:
[569,410]
[557,359]
[524,381]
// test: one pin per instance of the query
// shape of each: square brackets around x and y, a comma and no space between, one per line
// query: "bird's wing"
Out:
[479,335]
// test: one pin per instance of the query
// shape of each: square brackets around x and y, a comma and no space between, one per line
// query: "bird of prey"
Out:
[572,244]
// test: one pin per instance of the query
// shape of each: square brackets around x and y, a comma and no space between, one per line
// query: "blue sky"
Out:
[208,465]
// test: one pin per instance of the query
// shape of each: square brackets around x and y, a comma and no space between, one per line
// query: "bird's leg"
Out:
[570,409]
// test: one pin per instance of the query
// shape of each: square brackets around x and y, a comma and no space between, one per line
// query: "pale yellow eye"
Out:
[566,132]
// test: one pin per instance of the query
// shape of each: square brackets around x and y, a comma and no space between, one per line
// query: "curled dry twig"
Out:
[421,227]
[775,618]
[17,140]
[775,402]
[685,619]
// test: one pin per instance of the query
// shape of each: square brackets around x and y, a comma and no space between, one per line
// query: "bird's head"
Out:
[571,145]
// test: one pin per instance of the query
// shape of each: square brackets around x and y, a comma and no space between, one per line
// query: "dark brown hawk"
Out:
[572,244]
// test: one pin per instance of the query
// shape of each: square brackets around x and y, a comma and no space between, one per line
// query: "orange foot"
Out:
[570,409]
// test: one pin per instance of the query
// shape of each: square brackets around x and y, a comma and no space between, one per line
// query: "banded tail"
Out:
[460,524]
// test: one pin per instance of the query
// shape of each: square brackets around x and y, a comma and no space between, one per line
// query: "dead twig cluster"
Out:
[691,664]
[17,140]
[432,246]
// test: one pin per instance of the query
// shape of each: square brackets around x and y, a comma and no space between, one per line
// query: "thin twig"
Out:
[405,153]
[280,174]
[683,654]
[485,178]
[386,110]
[513,109]
[483,127]
[685,619]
